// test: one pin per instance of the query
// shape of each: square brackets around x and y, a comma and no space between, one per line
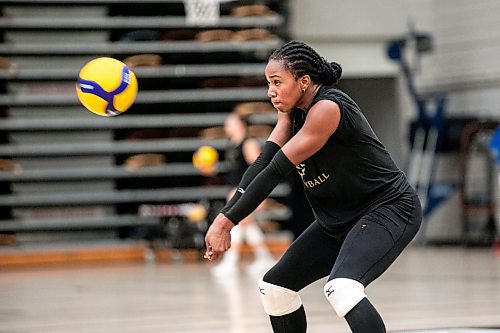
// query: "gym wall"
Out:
[464,63]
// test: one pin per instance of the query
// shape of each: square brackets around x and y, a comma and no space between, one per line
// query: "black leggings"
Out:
[369,248]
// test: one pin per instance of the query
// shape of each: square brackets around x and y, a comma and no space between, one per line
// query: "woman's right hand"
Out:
[218,237]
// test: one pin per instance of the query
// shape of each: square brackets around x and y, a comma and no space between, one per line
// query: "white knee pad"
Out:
[344,294]
[278,301]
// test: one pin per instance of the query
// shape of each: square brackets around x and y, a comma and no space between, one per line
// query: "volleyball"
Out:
[205,159]
[106,87]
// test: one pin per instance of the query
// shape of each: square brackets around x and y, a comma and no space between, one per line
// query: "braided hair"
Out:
[300,59]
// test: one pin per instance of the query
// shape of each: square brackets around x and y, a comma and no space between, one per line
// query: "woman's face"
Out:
[283,89]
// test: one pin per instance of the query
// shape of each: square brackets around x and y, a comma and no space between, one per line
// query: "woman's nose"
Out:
[270,93]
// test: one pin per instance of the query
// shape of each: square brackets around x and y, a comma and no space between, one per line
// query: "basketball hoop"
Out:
[202,12]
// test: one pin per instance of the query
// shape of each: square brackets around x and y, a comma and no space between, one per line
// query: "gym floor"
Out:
[428,289]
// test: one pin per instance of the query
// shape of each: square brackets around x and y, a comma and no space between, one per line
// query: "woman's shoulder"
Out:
[327,92]
[330,94]
[338,96]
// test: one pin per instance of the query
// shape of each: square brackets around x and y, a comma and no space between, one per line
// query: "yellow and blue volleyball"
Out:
[106,87]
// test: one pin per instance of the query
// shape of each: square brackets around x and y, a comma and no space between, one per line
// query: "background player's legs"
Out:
[247,230]
[370,248]
[229,263]
[256,239]
[309,258]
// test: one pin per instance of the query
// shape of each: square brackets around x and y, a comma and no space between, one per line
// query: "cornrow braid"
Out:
[301,59]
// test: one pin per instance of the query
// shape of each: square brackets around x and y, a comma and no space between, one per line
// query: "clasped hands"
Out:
[218,237]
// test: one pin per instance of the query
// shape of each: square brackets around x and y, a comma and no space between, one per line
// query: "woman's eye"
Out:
[276,83]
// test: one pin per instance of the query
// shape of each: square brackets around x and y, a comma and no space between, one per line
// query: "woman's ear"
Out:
[305,81]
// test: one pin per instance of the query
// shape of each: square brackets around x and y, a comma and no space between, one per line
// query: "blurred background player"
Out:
[241,151]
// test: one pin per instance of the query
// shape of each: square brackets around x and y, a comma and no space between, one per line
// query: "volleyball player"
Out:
[366,212]
[242,151]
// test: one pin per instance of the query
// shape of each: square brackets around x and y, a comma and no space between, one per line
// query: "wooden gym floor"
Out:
[426,289]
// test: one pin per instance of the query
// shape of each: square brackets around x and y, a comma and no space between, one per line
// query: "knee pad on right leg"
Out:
[344,294]
[278,301]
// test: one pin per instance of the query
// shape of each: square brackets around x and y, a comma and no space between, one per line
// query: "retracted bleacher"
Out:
[68,167]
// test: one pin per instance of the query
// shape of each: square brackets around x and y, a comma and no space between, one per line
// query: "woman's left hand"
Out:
[218,237]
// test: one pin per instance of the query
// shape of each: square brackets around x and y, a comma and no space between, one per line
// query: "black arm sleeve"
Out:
[269,149]
[260,187]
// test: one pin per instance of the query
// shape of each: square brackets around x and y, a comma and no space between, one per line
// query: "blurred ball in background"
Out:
[205,160]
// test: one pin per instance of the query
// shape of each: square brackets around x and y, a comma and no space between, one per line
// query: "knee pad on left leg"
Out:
[344,294]
[277,300]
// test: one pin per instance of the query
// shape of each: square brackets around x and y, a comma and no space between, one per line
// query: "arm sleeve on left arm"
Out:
[268,151]
[263,184]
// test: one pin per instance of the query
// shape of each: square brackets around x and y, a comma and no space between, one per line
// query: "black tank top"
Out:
[352,173]
[236,164]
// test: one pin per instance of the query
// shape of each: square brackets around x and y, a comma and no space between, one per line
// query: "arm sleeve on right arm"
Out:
[269,149]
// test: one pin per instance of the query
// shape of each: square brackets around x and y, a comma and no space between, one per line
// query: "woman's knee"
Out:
[278,300]
[344,294]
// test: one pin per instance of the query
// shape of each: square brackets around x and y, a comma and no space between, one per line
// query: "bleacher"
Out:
[67,175]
